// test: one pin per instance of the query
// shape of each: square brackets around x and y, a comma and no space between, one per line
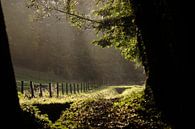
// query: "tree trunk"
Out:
[164,32]
[10,108]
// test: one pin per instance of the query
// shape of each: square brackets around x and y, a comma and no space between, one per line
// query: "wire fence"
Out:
[54,89]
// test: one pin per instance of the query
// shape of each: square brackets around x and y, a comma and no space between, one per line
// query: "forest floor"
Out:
[113,107]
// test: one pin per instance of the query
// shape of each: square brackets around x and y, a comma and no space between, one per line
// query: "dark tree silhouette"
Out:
[164,33]
[10,108]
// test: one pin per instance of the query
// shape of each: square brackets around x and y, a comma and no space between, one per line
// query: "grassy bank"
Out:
[113,107]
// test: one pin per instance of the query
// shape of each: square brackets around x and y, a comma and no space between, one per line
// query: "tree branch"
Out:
[80,17]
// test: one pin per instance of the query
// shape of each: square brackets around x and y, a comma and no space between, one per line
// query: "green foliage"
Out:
[117,27]
[132,109]
[129,110]
[112,20]
[20,95]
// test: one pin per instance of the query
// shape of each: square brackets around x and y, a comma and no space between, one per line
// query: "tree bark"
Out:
[10,108]
[164,32]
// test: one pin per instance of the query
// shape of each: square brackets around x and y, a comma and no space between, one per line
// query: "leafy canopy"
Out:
[112,20]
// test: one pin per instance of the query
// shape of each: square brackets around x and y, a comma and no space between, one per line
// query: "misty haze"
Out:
[51,50]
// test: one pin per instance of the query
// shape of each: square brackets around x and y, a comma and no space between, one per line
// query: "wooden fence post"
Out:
[70,88]
[62,88]
[78,88]
[84,86]
[66,88]
[74,88]
[32,89]
[22,87]
[91,86]
[87,86]
[40,89]
[57,89]
[81,87]
[50,91]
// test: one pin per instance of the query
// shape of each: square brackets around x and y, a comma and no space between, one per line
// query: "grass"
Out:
[110,107]
[103,93]
[37,76]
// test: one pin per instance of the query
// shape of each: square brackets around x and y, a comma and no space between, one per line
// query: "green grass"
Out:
[106,92]
[109,107]
[37,76]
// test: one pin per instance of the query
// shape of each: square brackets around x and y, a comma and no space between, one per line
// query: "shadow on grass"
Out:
[120,90]
[53,110]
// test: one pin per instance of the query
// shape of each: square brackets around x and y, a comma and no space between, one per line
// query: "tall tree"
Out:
[10,109]
[164,32]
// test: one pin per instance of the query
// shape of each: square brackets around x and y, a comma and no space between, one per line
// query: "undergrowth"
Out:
[105,109]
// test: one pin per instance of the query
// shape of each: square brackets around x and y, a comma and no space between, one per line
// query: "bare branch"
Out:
[80,17]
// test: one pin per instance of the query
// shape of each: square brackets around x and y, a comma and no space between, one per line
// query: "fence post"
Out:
[74,88]
[87,86]
[57,89]
[77,87]
[32,90]
[62,88]
[84,86]
[50,91]
[70,88]
[40,89]
[66,88]
[22,87]
[92,85]
[81,87]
